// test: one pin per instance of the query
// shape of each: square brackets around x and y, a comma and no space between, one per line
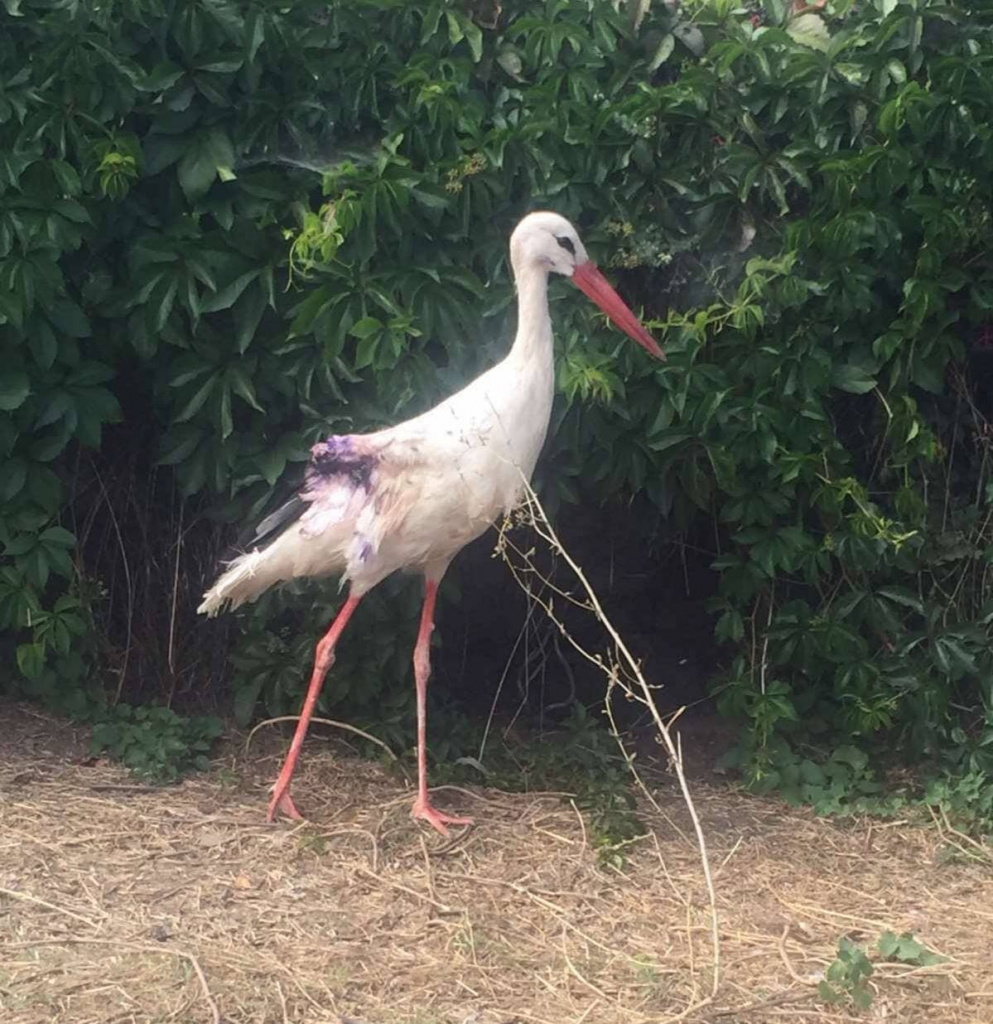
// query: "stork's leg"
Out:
[423,807]
[323,660]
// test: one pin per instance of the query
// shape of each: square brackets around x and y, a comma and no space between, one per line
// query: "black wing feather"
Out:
[277,521]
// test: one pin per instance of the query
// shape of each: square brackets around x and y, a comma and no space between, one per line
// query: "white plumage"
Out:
[414,495]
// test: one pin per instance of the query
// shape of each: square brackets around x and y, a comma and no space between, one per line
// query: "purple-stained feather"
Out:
[341,455]
[339,466]
[340,477]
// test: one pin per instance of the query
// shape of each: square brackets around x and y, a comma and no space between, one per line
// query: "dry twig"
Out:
[621,669]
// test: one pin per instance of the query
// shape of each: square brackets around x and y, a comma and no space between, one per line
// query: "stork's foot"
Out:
[282,803]
[424,810]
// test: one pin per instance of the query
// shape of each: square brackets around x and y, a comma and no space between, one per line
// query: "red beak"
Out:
[592,283]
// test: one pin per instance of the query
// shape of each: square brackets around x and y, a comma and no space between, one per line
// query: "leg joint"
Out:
[422,662]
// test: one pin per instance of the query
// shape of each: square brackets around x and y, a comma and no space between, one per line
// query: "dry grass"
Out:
[121,903]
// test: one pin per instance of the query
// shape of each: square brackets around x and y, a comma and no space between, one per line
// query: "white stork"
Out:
[412,496]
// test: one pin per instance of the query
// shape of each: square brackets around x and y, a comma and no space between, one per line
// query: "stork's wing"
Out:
[350,477]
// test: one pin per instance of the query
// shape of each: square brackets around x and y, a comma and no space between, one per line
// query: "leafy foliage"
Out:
[155,742]
[908,950]
[847,977]
[841,783]
[238,228]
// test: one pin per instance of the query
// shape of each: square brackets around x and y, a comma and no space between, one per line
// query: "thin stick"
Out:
[28,898]
[427,867]
[443,907]
[783,999]
[765,640]
[539,520]
[322,721]
[785,957]
[127,576]
[575,973]
[172,612]
[582,824]
[282,1002]
[503,679]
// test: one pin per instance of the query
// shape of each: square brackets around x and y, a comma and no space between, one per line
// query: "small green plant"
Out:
[905,949]
[312,841]
[966,799]
[155,742]
[612,812]
[841,783]
[649,976]
[851,780]
[847,978]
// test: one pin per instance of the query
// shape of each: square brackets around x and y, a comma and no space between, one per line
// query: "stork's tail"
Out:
[245,579]
[339,480]
[248,576]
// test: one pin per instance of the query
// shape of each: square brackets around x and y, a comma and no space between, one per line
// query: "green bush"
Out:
[240,227]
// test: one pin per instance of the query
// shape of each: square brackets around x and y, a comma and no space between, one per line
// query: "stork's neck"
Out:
[533,344]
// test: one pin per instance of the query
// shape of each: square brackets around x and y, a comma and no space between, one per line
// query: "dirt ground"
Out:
[123,903]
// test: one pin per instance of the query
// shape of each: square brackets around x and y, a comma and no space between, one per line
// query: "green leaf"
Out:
[43,343]
[670,440]
[227,424]
[367,327]
[31,659]
[853,379]
[14,389]
[242,386]
[90,373]
[210,155]
[455,32]
[160,78]
[222,65]
[20,545]
[229,294]
[901,595]
[254,33]
[888,944]
[366,349]
[58,535]
[67,317]
[245,699]
[862,997]
[162,301]
[662,52]
[475,39]
[810,30]
[896,71]
[196,401]
[248,313]
[179,444]
[13,474]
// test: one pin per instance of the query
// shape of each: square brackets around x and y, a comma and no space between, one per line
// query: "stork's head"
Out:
[547,241]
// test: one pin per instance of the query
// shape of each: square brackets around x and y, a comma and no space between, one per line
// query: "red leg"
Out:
[423,808]
[323,660]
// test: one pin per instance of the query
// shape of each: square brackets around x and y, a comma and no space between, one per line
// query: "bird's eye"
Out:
[566,244]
